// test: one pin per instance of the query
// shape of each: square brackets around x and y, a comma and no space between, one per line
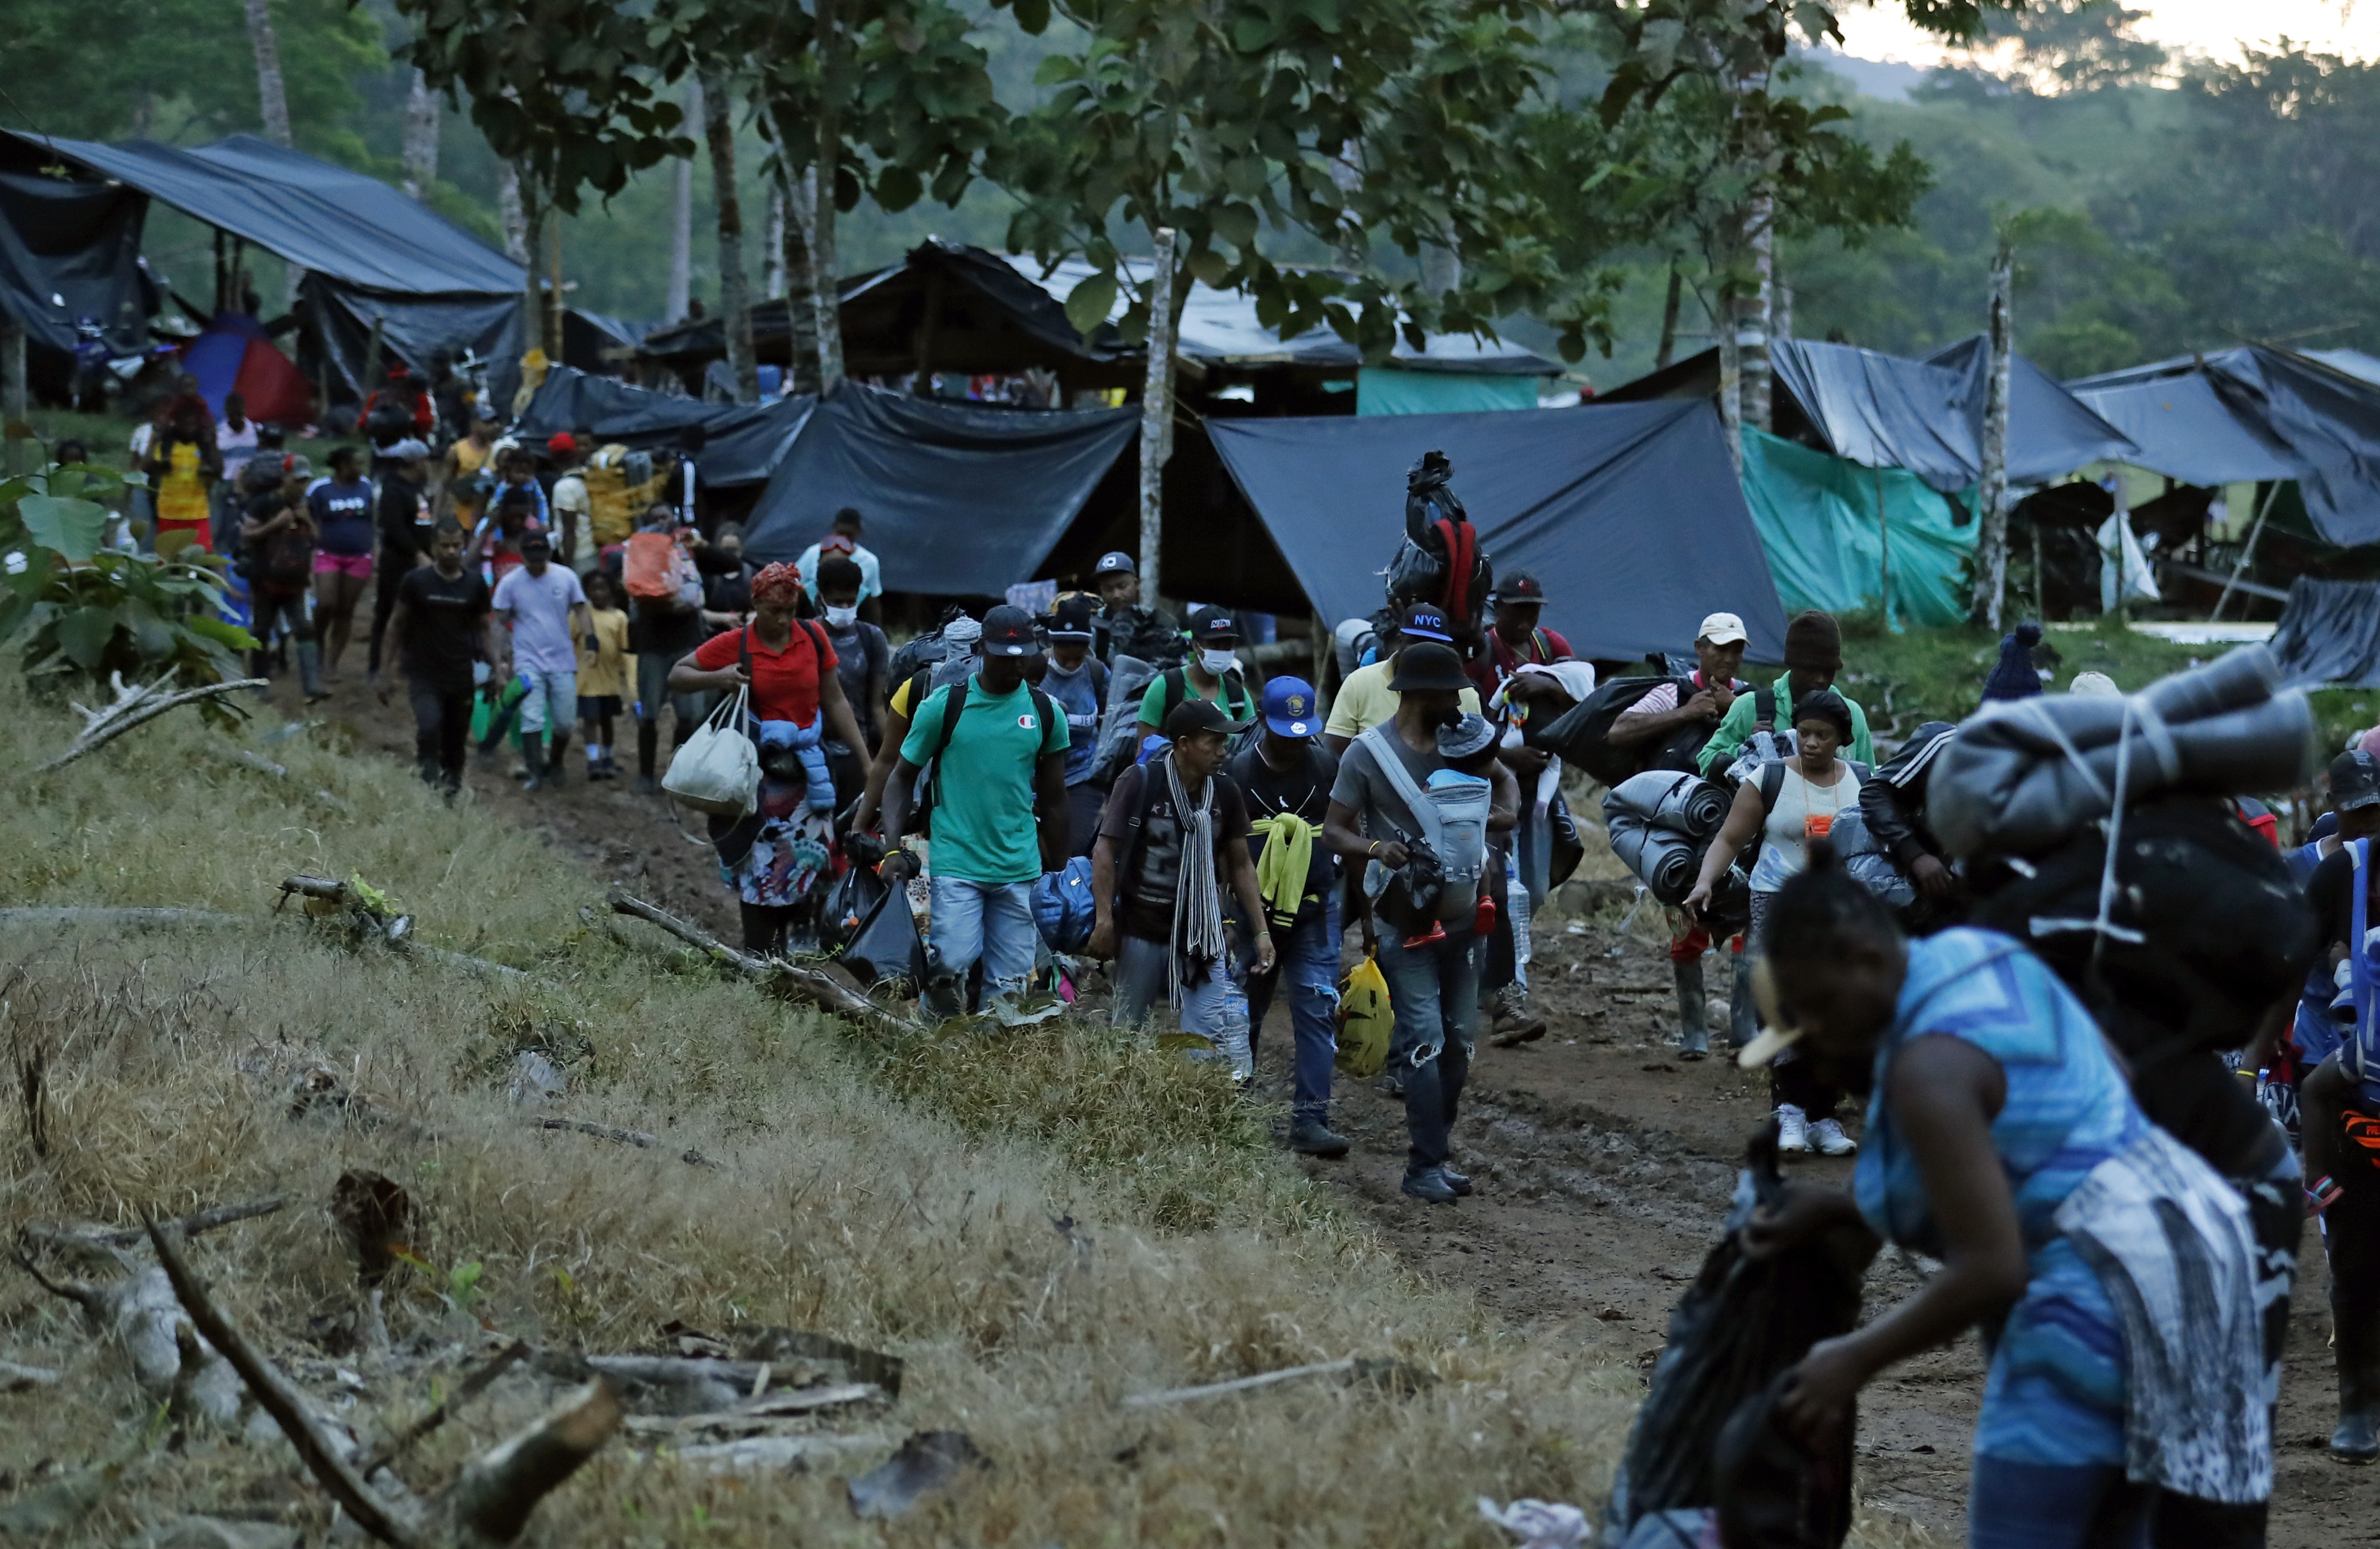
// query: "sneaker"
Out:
[1513,1026]
[2357,1440]
[1694,1044]
[1459,1182]
[1827,1136]
[1429,1184]
[1314,1139]
[1792,1131]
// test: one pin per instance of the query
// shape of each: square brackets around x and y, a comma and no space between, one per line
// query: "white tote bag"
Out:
[718,771]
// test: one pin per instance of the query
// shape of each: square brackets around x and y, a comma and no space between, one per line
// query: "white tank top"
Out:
[1802,811]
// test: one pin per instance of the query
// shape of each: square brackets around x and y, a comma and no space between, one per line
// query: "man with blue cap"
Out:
[1286,776]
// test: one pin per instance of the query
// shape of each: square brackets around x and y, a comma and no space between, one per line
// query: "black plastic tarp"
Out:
[1630,514]
[1927,416]
[960,500]
[413,328]
[71,250]
[2291,418]
[744,442]
[2330,633]
[323,218]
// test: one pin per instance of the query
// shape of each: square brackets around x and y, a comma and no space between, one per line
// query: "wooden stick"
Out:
[470,1387]
[188,1225]
[136,707]
[785,978]
[1238,1385]
[276,1397]
[121,919]
[502,1486]
[612,1132]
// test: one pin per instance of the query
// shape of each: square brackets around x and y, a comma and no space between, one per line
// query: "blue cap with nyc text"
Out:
[1290,709]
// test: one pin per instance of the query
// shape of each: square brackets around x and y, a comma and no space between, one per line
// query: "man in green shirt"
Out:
[1813,654]
[998,748]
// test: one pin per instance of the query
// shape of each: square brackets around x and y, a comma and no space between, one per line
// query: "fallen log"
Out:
[465,1391]
[499,1489]
[205,1220]
[790,979]
[1238,1385]
[141,1317]
[122,918]
[135,707]
[636,1137]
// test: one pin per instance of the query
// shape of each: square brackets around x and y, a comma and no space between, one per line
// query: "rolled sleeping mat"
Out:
[1995,788]
[1664,861]
[1848,834]
[1666,799]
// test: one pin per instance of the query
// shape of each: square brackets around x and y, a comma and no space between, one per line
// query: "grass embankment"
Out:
[899,1194]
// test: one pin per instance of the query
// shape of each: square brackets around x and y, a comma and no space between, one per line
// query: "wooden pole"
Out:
[1669,348]
[1991,485]
[826,289]
[1884,550]
[15,404]
[2248,550]
[1156,412]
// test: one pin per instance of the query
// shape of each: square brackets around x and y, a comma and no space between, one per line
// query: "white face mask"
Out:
[1218,662]
[842,618]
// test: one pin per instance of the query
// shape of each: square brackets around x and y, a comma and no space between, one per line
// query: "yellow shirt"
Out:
[1366,700]
[605,670]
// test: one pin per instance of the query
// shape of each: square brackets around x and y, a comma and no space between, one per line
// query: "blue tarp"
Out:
[743,442]
[1629,513]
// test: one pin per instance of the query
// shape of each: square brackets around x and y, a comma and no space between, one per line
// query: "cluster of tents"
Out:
[1285,489]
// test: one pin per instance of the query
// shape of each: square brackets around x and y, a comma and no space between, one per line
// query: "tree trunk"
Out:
[533,240]
[681,278]
[800,292]
[15,402]
[1991,485]
[772,249]
[1668,350]
[1731,386]
[826,288]
[1780,315]
[508,213]
[1156,413]
[272,98]
[1750,314]
[734,291]
[420,139]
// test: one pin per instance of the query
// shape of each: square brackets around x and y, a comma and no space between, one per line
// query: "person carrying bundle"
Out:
[1793,804]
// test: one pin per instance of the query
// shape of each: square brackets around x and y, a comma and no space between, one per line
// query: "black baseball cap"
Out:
[1008,631]
[1214,626]
[537,543]
[1517,587]
[1194,715]
[1423,621]
[2354,781]
[1070,616]
[1113,562]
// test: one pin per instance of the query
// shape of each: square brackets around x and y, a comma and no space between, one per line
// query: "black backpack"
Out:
[1043,706]
[1581,735]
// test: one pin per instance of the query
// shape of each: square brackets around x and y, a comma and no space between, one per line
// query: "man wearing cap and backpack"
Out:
[1517,639]
[1169,842]
[1366,697]
[1077,682]
[1286,775]
[1813,654]
[1212,672]
[1125,625]
[996,749]
[1382,810]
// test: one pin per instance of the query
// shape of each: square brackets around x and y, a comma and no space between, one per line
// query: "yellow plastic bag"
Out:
[1365,1022]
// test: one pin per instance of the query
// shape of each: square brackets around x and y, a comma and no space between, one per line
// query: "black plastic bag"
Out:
[849,904]
[1735,1333]
[886,945]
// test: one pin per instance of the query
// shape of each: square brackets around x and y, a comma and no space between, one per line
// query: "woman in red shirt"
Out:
[774,858]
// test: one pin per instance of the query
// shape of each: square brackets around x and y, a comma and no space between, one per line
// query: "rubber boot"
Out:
[310,670]
[1743,1009]
[648,743]
[1693,1024]
[533,756]
[557,743]
[260,664]
[2357,1440]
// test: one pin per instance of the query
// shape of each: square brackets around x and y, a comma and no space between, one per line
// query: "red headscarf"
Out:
[778,583]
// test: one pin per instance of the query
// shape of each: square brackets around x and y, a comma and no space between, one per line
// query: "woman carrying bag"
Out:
[781,671]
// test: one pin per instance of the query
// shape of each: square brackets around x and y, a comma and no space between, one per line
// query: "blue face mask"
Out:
[842,618]
[1218,662]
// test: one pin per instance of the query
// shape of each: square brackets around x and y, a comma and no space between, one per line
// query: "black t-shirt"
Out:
[862,654]
[405,521]
[2331,890]
[1144,882]
[1302,788]
[445,623]
[673,634]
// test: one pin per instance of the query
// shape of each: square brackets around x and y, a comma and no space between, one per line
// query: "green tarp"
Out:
[1386,390]
[1817,517]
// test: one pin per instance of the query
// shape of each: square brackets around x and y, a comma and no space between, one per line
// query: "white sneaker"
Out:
[1828,1136]
[1792,1131]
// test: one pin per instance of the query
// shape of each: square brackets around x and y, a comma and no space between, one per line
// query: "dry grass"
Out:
[897,1194]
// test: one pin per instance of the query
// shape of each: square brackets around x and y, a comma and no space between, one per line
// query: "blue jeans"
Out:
[1307,962]
[552,700]
[1213,1008]
[992,920]
[1434,993]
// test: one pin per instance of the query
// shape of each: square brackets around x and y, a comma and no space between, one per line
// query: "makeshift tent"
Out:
[1629,513]
[234,356]
[1394,390]
[2051,433]
[366,249]
[1819,521]
[2330,633]
[970,499]
[595,343]
[2289,417]
[70,252]
[743,442]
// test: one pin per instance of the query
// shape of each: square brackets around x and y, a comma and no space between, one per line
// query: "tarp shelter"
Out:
[1395,390]
[368,251]
[593,342]
[743,442]
[1629,513]
[234,356]
[2330,633]
[971,499]
[1829,546]
[2257,413]
[71,250]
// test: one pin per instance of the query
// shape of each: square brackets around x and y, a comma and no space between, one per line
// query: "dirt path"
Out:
[1603,1165]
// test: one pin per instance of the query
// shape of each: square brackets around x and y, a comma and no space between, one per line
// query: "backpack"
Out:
[285,561]
[1581,735]
[1235,691]
[659,575]
[390,422]
[1440,560]
[1063,907]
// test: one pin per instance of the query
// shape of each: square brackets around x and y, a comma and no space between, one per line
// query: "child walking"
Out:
[603,672]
